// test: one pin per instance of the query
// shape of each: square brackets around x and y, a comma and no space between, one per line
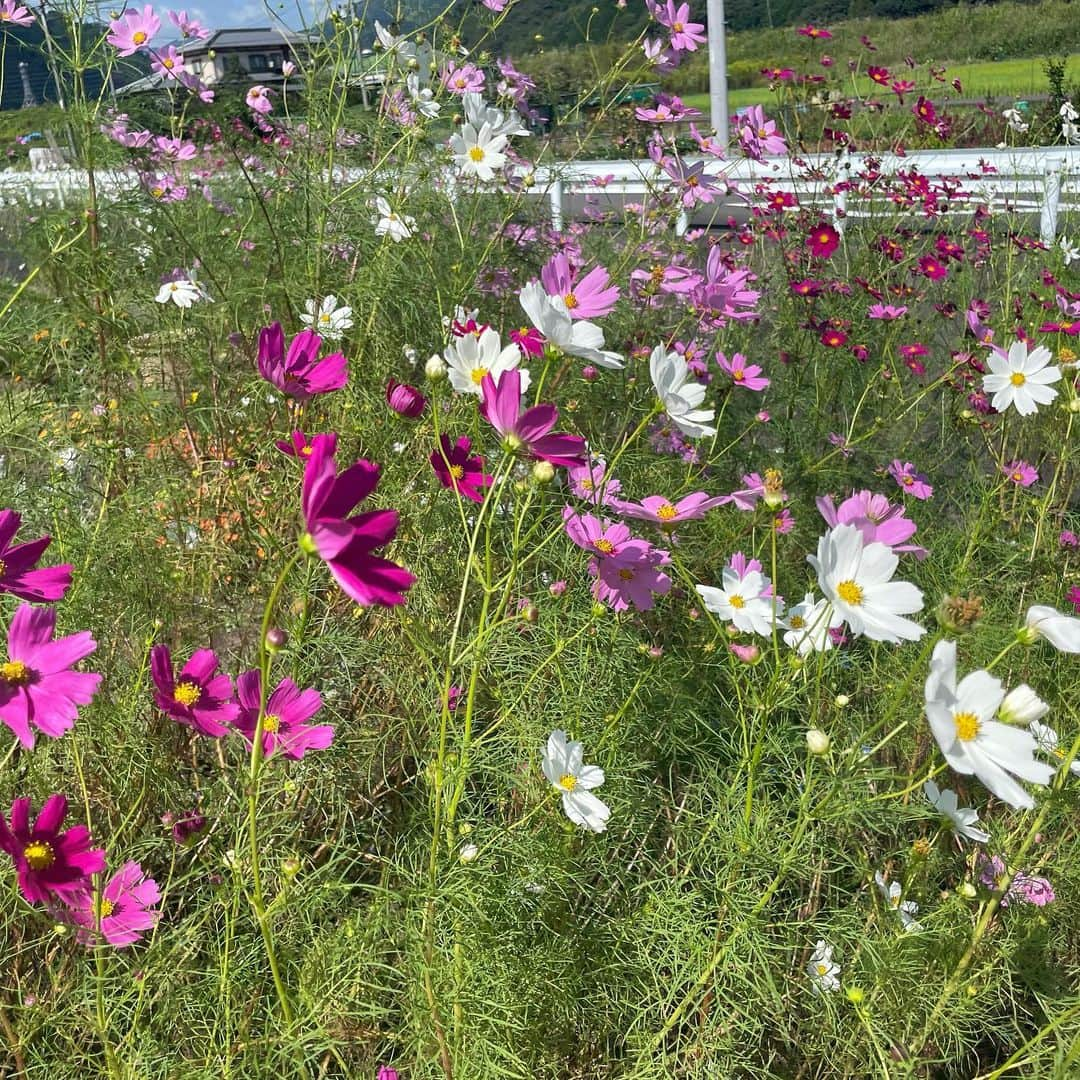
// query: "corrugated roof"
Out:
[259,37]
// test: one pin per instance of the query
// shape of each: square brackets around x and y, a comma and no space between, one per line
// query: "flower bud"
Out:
[468,853]
[957,614]
[543,472]
[276,639]
[817,742]
[1021,706]
[557,588]
[290,866]
[435,368]
[855,994]
[967,891]
[841,701]
[528,611]
[405,400]
[589,373]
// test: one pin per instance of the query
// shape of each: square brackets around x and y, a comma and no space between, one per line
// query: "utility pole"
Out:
[718,105]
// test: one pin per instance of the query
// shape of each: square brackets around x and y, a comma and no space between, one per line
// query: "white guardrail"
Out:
[1041,182]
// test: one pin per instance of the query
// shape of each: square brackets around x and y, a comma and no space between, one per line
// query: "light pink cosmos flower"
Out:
[742,374]
[285,724]
[133,30]
[591,297]
[467,79]
[258,100]
[669,109]
[600,537]
[591,483]
[168,63]
[876,518]
[913,483]
[664,512]
[886,312]
[37,685]
[126,909]
[189,28]
[1020,473]
[633,579]
[15,14]
[747,498]
[758,135]
[686,36]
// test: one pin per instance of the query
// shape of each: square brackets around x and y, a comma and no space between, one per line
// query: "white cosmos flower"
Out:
[1046,739]
[1069,252]
[741,600]
[906,910]
[327,319]
[478,113]
[422,96]
[1062,631]
[388,223]
[1068,111]
[471,357]
[1022,706]
[680,393]
[973,742]
[1021,378]
[963,818]
[394,45]
[822,970]
[1015,119]
[856,578]
[562,765]
[807,625]
[579,337]
[478,151]
[182,293]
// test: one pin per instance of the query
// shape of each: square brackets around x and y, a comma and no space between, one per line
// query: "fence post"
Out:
[682,223]
[1051,199]
[843,174]
[556,196]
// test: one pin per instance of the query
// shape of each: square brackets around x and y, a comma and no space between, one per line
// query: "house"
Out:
[235,57]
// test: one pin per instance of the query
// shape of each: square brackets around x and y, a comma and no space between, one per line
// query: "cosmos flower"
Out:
[562,763]
[807,624]
[744,596]
[285,723]
[126,908]
[1020,473]
[182,292]
[388,222]
[911,482]
[471,357]
[856,578]
[527,432]
[906,910]
[478,152]
[1062,631]
[18,575]
[876,518]
[962,721]
[199,698]
[679,393]
[326,318]
[579,337]
[133,30]
[962,819]
[1020,378]
[823,241]
[15,14]
[668,512]
[50,864]
[742,374]
[299,373]
[590,297]
[37,685]
[822,970]
[258,100]
[458,471]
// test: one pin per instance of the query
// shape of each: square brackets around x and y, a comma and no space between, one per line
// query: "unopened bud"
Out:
[290,866]
[276,639]
[817,742]
[435,368]
[468,853]
[543,472]
[841,701]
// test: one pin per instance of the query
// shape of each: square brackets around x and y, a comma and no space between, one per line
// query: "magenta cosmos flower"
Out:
[742,374]
[49,863]
[37,685]
[199,697]
[299,373]
[296,445]
[530,432]
[345,543]
[17,562]
[591,297]
[126,909]
[665,513]
[823,241]
[913,483]
[458,471]
[876,518]
[288,709]
[133,30]
[602,538]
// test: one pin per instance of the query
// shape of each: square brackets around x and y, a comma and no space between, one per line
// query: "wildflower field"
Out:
[441,645]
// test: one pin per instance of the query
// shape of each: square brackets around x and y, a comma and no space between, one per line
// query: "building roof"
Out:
[259,37]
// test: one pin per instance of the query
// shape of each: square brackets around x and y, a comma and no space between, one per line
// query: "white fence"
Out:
[1040,182]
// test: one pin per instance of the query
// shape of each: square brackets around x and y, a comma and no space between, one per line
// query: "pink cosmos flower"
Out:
[742,374]
[746,498]
[1073,596]
[168,63]
[347,544]
[1069,539]
[458,471]
[37,685]
[199,698]
[299,373]
[665,513]
[876,518]
[1029,889]
[669,109]
[815,32]
[758,134]
[133,30]
[633,579]
[297,445]
[913,483]
[285,724]
[592,483]
[530,432]
[601,538]
[405,400]
[126,908]
[1020,473]
[11,12]
[590,298]
[49,863]
[529,340]
[189,28]
[823,241]
[686,36]
[17,562]
[467,79]
[886,312]
[258,100]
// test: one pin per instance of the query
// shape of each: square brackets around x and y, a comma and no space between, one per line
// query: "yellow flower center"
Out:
[157,192]
[3,568]
[796,622]
[457,472]
[571,301]
[138,37]
[168,63]
[105,908]
[665,511]
[324,317]
[477,374]
[737,602]
[1018,378]
[587,485]
[568,782]
[626,574]
[967,726]
[187,693]
[39,855]
[476,153]
[271,722]
[677,27]
[306,450]
[14,672]
[738,374]
[850,593]
[606,546]
[1017,475]
[822,969]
